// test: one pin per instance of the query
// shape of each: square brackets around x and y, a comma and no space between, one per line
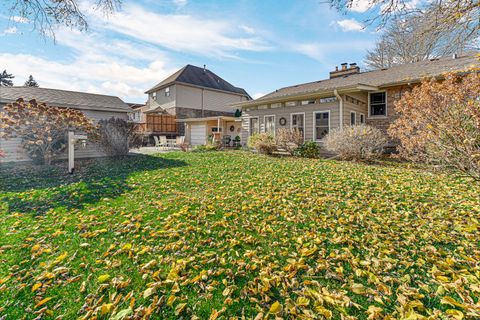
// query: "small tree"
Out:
[439,123]
[6,79]
[289,139]
[43,129]
[31,82]
[360,142]
[117,136]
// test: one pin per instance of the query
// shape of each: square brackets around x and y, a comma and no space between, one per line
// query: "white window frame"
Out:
[167,92]
[362,115]
[386,105]
[308,102]
[250,125]
[304,121]
[355,118]
[154,95]
[315,125]
[265,123]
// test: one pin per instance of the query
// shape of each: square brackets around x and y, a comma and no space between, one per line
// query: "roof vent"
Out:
[454,56]
[204,68]
[345,71]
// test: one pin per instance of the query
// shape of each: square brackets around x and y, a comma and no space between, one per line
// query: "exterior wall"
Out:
[161,99]
[184,113]
[199,98]
[285,112]
[359,105]
[15,152]
[225,125]
[393,94]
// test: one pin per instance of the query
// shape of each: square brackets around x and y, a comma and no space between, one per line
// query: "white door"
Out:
[198,134]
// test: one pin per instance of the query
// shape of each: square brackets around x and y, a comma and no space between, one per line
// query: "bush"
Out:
[439,123]
[117,136]
[205,148]
[360,142]
[308,149]
[264,143]
[289,139]
[43,129]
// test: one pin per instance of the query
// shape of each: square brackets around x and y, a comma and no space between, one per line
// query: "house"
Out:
[94,106]
[191,93]
[347,97]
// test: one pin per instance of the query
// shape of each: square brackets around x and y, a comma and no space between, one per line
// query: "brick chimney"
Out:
[346,70]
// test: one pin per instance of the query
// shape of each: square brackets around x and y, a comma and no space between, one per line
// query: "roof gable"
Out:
[199,77]
[64,98]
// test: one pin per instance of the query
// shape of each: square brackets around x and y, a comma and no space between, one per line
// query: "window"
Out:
[378,104]
[154,95]
[304,102]
[269,124]
[253,126]
[216,129]
[362,118]
[290,103]
[298,122]
[328,100]
[353,118]
[321,124]
[167,92]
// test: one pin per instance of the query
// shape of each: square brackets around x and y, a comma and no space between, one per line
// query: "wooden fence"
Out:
[159,124]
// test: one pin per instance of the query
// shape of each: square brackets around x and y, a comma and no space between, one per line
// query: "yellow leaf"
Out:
[104,278]
[275,308]
[61,257]
[179,308]
[456,314]
[41,303]
[324,312]
[451,301]
[374,312]
[358,288]
[127,247]
[171,300]
[147,293]
[259,316]
[302,301]
[106,308]
[36,286]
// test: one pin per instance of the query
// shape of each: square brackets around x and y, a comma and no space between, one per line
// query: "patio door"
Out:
[298,122]
[198,134]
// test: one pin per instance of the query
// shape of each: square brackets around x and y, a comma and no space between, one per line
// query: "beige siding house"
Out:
[191,93]
[347,97]
[94,106]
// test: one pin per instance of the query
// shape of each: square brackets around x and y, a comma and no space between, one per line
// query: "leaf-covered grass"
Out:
[220,235]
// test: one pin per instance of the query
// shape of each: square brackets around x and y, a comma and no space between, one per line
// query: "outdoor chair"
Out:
[163,142]
[179,141]
[226,140]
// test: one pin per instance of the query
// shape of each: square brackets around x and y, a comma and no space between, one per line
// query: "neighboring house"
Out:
[348,97]
[94,106]
[193,92]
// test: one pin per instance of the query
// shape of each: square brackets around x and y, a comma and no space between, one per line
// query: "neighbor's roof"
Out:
[63,98]
[199,77]
[405,73]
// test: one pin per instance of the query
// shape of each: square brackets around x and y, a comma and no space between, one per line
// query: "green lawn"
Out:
[221,235]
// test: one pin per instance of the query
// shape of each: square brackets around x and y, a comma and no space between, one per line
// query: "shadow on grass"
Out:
[37,189]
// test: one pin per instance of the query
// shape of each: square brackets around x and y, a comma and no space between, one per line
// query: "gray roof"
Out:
[379,78]
[63,98]
[199,77]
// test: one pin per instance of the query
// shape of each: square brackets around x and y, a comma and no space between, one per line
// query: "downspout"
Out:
[335,92]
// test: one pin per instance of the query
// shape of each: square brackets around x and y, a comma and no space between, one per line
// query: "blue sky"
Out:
[258,45]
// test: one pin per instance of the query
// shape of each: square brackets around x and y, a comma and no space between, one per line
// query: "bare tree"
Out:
[46,14]
[415,38]
[443,13]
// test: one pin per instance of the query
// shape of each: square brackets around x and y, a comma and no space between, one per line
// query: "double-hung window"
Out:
[353,118]
[167,92]
[269,122]
[298,122]
[321,123]
[378,104]
[254,126]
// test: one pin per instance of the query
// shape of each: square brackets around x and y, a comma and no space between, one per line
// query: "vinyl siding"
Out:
[348,107]
[285,112]
[15,152]
[191,97]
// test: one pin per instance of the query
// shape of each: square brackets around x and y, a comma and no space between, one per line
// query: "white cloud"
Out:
[351,25]
[323,51]
[184,33]
[11,30]
[247,29]
[19,19]
[180,3]
[258,95]
[360,6]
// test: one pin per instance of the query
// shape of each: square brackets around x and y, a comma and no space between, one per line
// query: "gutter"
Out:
[339,97]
